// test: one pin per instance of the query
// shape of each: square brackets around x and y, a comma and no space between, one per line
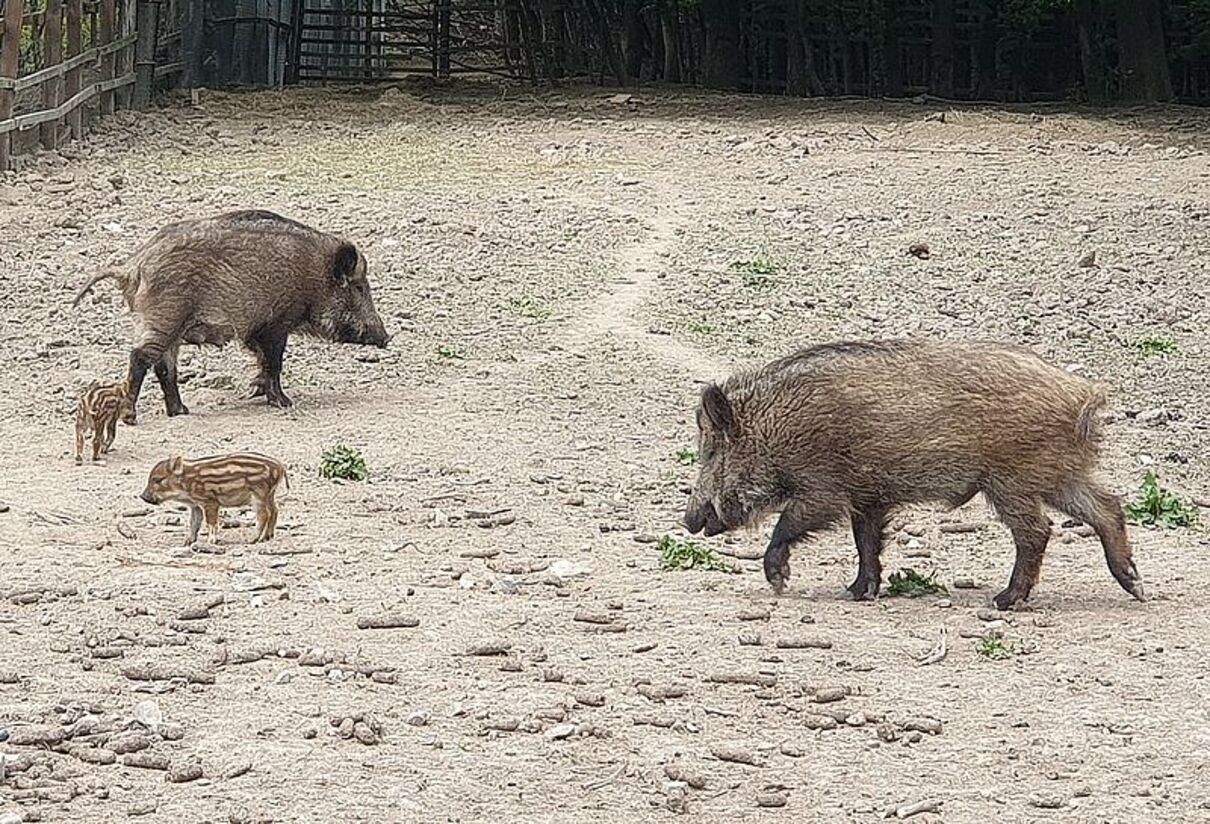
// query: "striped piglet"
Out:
[206,484]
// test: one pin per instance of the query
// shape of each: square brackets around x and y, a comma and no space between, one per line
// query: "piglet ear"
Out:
[176,464]
[718,409]
[344,264]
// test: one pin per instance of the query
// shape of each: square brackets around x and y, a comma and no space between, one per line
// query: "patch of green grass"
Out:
[1156,506]
[911,584]
[527,307]
[759,272]
[450,352]
[1157,345]
[700,327]
[682,555]
[343,462]
[686,457]
[993,648]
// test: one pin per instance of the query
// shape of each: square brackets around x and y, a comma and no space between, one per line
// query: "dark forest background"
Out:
[1099,51]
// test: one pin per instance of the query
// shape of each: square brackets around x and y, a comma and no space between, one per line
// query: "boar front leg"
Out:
[272,343]
[796,522]
[1031,533]
[165,372]
[868,526]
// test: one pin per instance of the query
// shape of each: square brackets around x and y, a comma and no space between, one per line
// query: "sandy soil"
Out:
[560,272]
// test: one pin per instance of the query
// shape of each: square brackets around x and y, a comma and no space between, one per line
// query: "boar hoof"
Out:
[1007,598]
[864,589]
[280,401]
[179,409]
[777,567]
[255,390]
[129,419]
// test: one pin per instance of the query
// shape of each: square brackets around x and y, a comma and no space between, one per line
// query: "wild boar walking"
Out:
[850,431]
[207,484]
[97,413]
[251,276]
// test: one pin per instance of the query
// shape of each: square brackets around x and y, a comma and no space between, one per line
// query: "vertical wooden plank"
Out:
[10,56]
[108,61]
[71,82]
[443,37]
[125,57]
[144,52]
[192,30]
[52,90]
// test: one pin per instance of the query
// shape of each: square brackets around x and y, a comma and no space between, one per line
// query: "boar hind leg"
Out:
[195,524]
[1031,532]
[143,357]
[868,526]
[1101,510]
[272,344]
[796,522]
[165,372]
[256,389]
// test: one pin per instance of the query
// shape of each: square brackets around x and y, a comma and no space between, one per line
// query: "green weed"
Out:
[1157,345]
[759,272]
[993,648]
[686,457]
[682,555]
[1156,506]
[343,462]
[911,584]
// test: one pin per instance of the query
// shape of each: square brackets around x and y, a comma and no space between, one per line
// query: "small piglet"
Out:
[206,484]
[97,413]
[848,432]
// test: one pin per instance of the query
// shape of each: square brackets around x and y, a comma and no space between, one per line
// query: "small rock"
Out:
[819,722]
[965,583]
[560,731]
[827,695]
[919,250]
[148,714]
[569,569]
[930,725]
[1046,802]
[182,773]
[770,800]
[749,639]
[366,734]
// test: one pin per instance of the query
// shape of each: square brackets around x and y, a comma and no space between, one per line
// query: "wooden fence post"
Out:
[193,20]
[52,89]
[10,58]
[71,82]
[144,53]
[107,62]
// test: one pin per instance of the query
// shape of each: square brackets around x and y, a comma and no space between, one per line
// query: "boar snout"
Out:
[703,518]
[148,497]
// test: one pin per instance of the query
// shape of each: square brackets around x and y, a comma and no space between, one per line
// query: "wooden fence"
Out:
[63,62]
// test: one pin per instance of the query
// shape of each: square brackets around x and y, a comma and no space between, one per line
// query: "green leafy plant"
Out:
[529,308]
[1157,345]
[450,352]
[993,648]
[700,327]
[759,272]
[1156,506]
[343,462]
[682,555]
[686,457]
[911,584]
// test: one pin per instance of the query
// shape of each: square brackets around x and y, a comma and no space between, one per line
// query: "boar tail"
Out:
[1088,422]
[93,281]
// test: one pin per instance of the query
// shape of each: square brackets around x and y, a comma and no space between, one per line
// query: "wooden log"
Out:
[144,53]
[10,57]
[107,61]
[192,31]
[71,83]
[125,58]
[52,89]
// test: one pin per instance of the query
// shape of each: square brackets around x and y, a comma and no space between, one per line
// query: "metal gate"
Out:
[383,40]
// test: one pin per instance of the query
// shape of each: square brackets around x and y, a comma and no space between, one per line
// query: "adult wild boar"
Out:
[252,276]
[850,431]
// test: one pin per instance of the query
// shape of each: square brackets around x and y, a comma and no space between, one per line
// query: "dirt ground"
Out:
[560,272]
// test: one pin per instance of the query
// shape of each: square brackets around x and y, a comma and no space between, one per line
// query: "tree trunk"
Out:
[722,57]
[1142,52]
[983,51]
[796,53]
[670,24]
[1092,52]
[890,48]
[943,48]
[633,39]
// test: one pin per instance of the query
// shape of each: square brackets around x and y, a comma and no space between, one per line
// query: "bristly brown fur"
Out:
[251,276]
[849,431]
[207,484]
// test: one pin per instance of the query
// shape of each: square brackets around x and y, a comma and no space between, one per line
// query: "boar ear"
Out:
[344,264]
[718,409]
[176,464]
